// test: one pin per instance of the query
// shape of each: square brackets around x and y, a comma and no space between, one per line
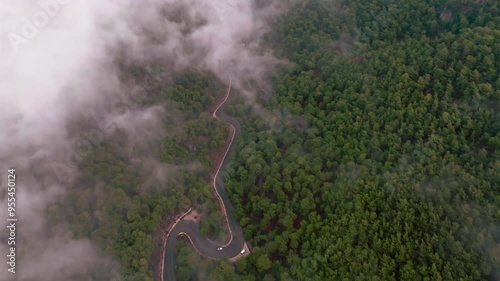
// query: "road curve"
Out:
[184,227]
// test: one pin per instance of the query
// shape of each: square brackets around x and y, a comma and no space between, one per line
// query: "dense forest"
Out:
[387,167]
[118,206]
[383,164]
[387,164]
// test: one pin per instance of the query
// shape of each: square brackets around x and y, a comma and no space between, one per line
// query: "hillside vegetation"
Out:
[387,165]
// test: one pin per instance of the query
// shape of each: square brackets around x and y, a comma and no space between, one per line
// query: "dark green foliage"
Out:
[395,175]
[193,92]
[190,265]
[191,140]
[118,205]
[384,165]
[112,211]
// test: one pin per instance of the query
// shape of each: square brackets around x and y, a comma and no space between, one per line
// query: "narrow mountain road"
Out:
[191,229]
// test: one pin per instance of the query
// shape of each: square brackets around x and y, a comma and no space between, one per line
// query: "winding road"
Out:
[191,229]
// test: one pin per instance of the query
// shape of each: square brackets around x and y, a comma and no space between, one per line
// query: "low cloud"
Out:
[61,65]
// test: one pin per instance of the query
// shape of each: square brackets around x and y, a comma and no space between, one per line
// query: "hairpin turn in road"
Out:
[236,244]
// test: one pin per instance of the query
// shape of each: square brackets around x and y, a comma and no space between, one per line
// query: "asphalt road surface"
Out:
[191,229]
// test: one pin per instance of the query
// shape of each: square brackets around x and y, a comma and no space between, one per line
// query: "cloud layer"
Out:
[60,65]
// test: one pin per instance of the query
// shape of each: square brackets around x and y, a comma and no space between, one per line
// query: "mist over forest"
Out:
[368,146]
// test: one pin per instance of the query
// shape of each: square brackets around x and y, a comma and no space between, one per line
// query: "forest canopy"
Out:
[396,175]
[384,164]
